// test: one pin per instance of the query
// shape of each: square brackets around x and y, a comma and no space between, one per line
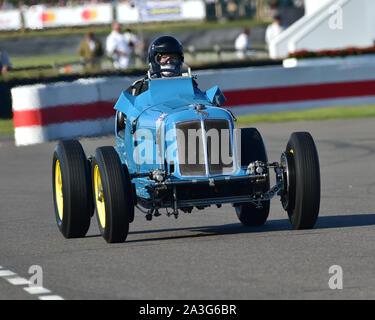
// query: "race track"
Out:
[206,254]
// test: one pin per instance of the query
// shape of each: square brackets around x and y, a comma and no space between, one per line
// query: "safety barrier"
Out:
[46,112]
[85,107]
[40,16]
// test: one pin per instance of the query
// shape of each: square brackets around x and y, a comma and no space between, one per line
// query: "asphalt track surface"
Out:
[206,254]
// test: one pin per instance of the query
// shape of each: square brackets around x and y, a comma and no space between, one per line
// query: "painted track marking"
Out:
[14,279]
[18,281]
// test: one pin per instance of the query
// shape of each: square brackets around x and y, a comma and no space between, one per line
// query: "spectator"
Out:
[4,5]
[117,48]
[134,45]
[91,50]
[5,64]
[242,45]
[274,29]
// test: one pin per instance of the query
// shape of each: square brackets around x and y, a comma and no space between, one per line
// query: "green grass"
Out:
[328,113]
[29,74]
[161,27]
[37,61]
[6,126]
[22,62]
[43,66]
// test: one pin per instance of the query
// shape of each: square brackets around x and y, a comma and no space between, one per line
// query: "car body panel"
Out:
[150,137]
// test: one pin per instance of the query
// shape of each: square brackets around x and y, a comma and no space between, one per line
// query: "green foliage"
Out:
[42,60]
[328,113]
[6,126]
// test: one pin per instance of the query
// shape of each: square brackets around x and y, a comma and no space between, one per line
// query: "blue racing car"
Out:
[178,149]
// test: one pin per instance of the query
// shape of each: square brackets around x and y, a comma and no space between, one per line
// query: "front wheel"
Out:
[112,195]
[301,181]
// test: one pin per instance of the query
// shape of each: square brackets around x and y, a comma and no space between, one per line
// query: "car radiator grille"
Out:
[191,141]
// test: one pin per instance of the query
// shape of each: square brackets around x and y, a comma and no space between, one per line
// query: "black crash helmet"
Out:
[160,47]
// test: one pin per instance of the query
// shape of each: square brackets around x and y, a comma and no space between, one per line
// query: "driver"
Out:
[165,56]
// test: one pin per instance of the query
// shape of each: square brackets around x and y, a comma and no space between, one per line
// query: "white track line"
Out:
[18,281]
[51,297]
[36,290]
[6,273]
[14,279]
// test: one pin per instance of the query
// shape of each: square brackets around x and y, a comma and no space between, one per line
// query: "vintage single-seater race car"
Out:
[177,150]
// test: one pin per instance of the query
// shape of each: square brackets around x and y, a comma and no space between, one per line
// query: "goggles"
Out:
[162,58]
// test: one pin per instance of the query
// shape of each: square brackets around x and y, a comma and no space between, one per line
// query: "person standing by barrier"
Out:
[134,45]
[274,29]
[91,50]
[118,48]
[242,44]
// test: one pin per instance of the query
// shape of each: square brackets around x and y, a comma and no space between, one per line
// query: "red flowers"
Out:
[351,51]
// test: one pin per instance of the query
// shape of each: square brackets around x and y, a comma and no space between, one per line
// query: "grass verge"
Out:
[22,62]
[328,113]
[160,27]
[6,127]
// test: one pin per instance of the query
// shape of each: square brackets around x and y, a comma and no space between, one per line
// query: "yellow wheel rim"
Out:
[99,196]
[58,190]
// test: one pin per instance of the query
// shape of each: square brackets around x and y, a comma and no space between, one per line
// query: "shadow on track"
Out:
[325,222]
[344,221]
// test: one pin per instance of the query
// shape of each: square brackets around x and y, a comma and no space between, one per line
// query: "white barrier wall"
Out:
[150,11]
[85,107]
[126,13]
[46,112]
[10,20]
[335,25]
[37,17]
[193,9]
[40,16]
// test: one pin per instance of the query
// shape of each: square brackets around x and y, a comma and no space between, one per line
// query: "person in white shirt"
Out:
[274,29]
[134,45]
[242,44]
[118,48]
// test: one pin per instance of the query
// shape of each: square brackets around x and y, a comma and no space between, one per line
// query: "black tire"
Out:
[303,199]
[251,216]
[120,124]
[71,185]
[112,195]
[252,149]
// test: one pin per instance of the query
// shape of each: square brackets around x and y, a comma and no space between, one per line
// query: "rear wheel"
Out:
[112,195]
[301,177]
[252,149]
[71,189]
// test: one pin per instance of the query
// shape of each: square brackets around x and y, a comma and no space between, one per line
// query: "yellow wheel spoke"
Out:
[99,196]
[58,190]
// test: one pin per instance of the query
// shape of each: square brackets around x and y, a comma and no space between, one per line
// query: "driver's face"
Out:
[168,58]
